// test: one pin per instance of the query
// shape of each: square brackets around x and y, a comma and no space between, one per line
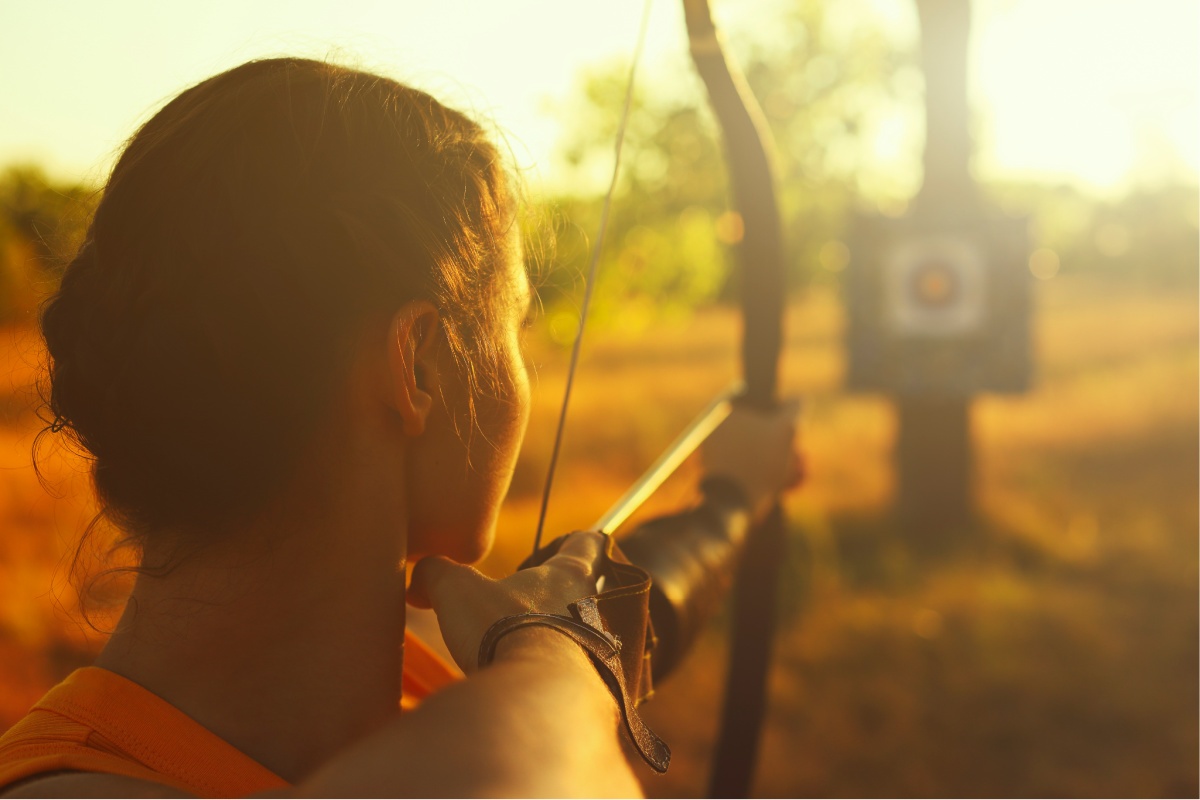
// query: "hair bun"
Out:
[247,232]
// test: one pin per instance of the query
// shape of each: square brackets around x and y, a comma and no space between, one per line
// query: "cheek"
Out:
[459,478]
[517,408]
[497,442]
[448,508]
[503,415]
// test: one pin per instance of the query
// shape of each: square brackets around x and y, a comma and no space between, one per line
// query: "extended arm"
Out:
[538,721]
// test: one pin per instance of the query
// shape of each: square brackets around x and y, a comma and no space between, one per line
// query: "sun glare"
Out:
[1098,91]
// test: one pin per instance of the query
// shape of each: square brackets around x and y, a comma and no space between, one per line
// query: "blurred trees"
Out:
[828,89]
[1147,235]
[41,225]
[668,245]
[844,101]
[843,98]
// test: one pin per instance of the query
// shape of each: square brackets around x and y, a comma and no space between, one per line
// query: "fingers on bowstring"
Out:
[433,577]
[584,548]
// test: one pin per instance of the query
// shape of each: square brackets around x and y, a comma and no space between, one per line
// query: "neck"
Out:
[285,639]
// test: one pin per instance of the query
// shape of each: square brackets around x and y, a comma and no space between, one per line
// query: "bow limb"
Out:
[748,152]
[761,265]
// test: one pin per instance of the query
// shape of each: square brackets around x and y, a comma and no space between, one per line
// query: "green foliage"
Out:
[833,86]
[41,226]
[1146,236]
[51,216]
[824,94]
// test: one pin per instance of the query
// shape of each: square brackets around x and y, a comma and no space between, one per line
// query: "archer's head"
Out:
[297,270]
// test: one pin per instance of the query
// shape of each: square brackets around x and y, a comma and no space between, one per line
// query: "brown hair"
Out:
[245,234]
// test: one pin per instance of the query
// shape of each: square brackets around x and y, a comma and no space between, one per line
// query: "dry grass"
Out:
[1054,654]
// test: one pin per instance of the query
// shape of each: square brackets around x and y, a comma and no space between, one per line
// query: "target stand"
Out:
[939,311]
[938,301]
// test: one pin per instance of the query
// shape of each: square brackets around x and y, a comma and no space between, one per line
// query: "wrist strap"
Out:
[604,650]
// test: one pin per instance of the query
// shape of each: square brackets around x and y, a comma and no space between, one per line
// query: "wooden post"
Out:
[933,452]
[938,301]
[934,471]
[947,182]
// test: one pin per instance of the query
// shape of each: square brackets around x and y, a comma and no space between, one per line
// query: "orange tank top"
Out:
[98,721]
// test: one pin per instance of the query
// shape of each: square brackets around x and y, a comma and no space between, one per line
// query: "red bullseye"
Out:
[934,285]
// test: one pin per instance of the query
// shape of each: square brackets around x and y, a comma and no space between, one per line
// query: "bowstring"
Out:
[593,268]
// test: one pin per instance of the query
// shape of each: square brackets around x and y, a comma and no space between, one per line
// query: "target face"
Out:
[934,287]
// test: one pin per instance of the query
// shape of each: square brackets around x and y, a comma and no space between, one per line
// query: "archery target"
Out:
[934,287]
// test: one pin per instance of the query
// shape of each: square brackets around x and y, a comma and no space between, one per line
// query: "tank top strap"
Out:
[99,721]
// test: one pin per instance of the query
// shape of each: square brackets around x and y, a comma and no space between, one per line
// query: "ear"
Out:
[412,363]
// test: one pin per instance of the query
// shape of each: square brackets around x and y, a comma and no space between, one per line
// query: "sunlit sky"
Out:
[1097,92]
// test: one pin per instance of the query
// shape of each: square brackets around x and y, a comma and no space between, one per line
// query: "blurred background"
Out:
[991,582]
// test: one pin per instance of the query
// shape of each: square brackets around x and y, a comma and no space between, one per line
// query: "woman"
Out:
[290,345]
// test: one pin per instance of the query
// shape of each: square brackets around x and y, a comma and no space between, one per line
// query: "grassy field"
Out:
[1055,653]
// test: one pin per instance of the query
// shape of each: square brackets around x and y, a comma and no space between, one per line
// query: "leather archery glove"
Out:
[468,602]
[556,589]
[612,625]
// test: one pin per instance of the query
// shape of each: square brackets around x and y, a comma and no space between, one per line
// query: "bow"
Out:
[760,253]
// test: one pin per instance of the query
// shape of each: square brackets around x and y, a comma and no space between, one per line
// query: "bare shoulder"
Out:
[90,784]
